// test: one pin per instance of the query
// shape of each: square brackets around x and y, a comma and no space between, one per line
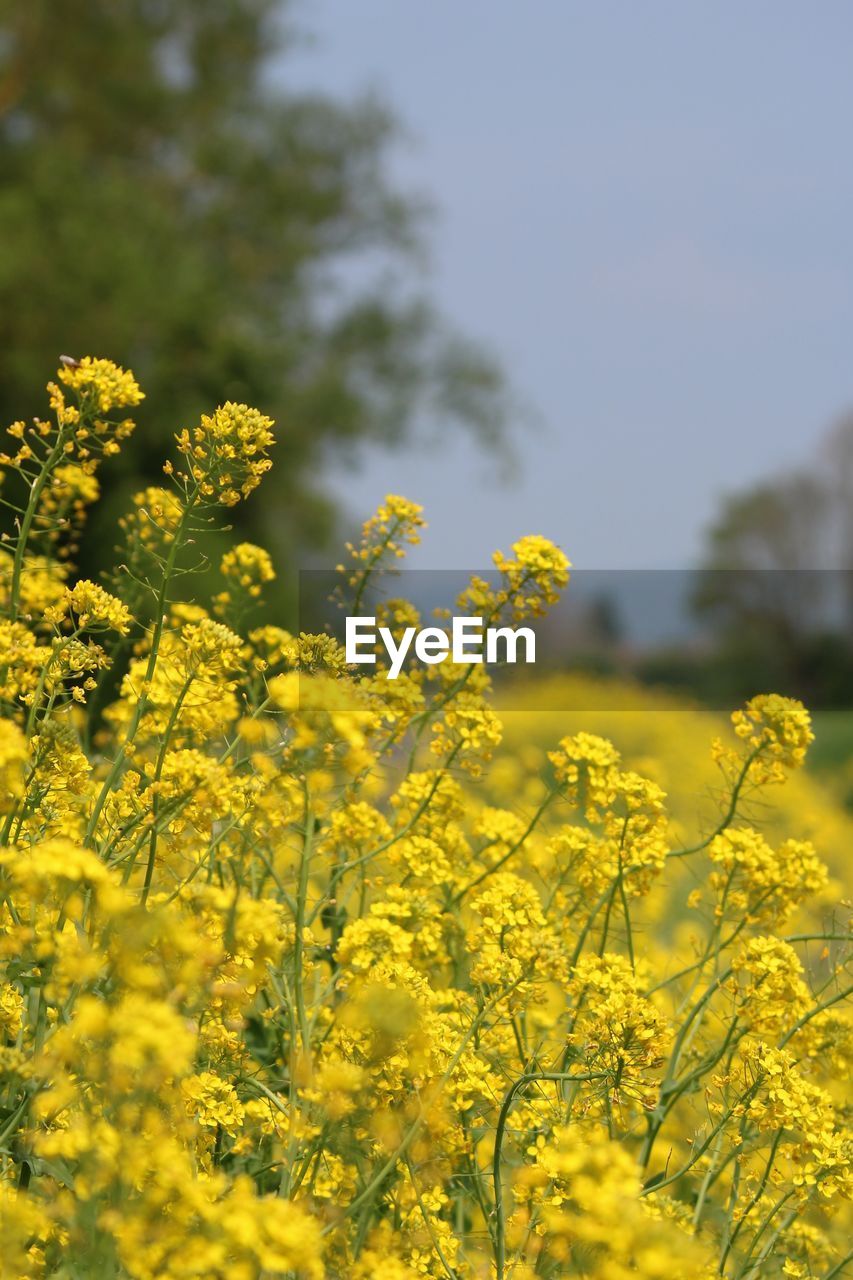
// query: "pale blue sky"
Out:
[646,210]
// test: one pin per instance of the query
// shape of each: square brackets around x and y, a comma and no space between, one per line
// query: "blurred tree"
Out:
[839,469]
[776,582]
[167,202]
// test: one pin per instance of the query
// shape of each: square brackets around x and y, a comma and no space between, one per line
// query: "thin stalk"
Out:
[520,1084]
[301,899]
[142,702]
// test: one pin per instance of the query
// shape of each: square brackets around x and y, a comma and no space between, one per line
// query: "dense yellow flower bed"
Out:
[667,738]
[307,973]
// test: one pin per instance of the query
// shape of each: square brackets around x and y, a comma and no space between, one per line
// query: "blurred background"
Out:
[583,270]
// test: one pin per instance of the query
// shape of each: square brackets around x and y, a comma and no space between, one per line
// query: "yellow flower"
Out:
[278,999]
[585,767]
[227,452]
[468,731]
[155,518]
[395,524]
[14,755]
[11,1011]
[778,733]
[213,1101]
[535,577]
[106,384]
[767,883]
[246,568]
[773,990]
[96,609]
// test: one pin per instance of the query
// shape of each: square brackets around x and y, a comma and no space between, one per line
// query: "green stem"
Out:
[158,770]
[142,702]
[839,1267]
[36,491]
[754,1199]
[301,902]
[731,812]
[520,1084]
[365,1197]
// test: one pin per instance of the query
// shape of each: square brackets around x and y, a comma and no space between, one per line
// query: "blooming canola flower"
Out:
[311,967]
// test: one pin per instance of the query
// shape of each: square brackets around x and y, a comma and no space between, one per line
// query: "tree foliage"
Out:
[776,582]
[169,201]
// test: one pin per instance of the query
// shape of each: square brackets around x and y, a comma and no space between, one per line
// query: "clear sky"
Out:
[646,210]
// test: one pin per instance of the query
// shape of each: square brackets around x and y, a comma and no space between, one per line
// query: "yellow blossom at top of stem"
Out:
[536,575]
[247,567]
[395,518]
[106,384]
[585,766]
[772,986]
[213,1101]
[766,882]
[469,730]
[227,452]
[394,525]
[96,608]
[211,650]
[779,727]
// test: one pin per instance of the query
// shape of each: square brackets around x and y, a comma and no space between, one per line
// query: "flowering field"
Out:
[307,973]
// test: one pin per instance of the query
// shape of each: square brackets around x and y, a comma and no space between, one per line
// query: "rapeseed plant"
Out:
[304,973]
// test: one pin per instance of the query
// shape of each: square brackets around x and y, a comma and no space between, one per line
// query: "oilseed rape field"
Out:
[308,973]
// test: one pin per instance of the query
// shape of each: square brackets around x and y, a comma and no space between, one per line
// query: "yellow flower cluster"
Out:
[226,453]
[765,883]
[468,732]
[584,1213]
[618,1033]
[631,844]
[247,567]
[246,570]
[393,526]
[528,583]
[14,755]
[96,609]
[777,734]
[585,766]
[773,990]
[312,975]
[102,382]
[535,574]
